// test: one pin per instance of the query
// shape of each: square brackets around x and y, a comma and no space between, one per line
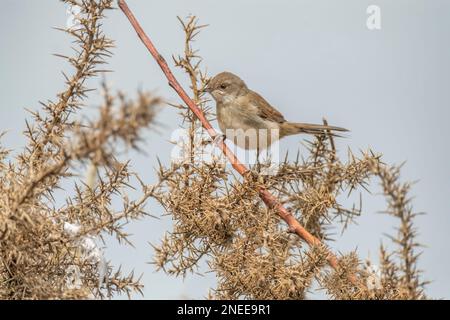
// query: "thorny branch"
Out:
[271,201]
[50,249]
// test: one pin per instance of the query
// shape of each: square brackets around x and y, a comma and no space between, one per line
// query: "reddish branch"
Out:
[270,200]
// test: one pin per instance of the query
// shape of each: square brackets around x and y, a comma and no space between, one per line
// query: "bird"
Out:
[251,122]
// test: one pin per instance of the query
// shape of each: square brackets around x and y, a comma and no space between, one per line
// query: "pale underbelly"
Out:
[247,132]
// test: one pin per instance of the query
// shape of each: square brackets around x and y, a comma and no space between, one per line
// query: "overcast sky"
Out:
[311,59]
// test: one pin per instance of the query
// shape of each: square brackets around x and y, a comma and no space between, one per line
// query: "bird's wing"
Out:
[265,110]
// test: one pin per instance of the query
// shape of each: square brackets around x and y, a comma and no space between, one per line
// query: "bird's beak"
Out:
[207,89]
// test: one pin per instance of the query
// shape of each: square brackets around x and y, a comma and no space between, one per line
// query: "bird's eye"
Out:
[223,86]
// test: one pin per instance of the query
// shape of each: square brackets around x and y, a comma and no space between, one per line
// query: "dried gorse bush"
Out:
[54,252]
[220,218]
[51,251]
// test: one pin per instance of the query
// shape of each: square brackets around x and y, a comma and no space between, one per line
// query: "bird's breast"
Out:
[242,125]
[235,116]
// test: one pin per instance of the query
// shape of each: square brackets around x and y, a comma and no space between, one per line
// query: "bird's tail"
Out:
[290,128]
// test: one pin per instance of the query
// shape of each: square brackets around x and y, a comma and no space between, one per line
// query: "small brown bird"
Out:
[248,119]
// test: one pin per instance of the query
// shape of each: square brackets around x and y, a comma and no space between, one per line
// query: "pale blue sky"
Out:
[309,58]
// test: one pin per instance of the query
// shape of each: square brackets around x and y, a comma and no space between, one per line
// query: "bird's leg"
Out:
[257,158]
[218,138]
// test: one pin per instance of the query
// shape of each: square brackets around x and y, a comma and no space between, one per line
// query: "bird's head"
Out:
[225,87]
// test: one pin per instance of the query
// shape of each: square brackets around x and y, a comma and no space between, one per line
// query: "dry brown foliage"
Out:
[54,252]
[50,252]
[220,217]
